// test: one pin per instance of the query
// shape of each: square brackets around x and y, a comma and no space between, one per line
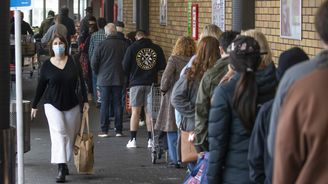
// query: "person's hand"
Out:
[86,107]
[33,113]
[228,75]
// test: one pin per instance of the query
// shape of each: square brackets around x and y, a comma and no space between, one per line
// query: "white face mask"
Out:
[59,50]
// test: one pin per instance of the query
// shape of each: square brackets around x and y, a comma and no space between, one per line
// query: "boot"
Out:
[61,174]
[66,169]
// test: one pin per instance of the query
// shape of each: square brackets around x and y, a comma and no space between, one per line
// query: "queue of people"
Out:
[257,122]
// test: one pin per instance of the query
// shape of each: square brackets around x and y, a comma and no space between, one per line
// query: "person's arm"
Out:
[41,87]
[218,135]
[290,149]
[257,148]
[29,29]
[277,103]
[168,75]
[47,37]
[95,61]
[180,98]
[41,29]
[126,64]
[91,47]
[203,105]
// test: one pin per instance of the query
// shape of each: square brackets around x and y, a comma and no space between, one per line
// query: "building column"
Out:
[143,15]
[243,15]
[108,10]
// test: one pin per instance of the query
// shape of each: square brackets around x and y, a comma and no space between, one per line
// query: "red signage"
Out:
[194,21]
[115,10]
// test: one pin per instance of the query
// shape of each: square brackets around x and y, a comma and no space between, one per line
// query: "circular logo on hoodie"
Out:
[146,58]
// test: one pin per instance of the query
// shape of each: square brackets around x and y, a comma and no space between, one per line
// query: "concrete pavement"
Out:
[114,163]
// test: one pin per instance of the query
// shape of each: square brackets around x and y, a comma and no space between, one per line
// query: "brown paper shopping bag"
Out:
[83,148]
[188,151]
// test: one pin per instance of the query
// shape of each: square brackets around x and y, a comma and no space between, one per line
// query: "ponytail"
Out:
[244,99]
[245,59]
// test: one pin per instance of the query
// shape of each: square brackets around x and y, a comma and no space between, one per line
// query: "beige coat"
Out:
[166,117]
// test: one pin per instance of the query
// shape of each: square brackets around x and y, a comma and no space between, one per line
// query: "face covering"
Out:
[59,50]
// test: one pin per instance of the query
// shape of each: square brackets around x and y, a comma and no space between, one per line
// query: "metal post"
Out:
[44,9]
[78,10]
[19,98]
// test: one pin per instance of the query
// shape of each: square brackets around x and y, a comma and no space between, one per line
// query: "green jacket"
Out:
[207,85]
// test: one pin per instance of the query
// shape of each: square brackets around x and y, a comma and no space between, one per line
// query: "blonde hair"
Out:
[184,46]
[264,46]
[211,30]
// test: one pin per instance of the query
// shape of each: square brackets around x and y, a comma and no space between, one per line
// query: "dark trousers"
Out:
[111,94]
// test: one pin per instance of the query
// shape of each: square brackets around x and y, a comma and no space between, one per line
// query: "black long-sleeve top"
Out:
[25,28]
[59,85]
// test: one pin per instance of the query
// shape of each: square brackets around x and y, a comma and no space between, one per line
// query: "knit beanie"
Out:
[288,59]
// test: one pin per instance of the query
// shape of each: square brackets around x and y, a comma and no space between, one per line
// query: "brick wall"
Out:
[176,26]
[267,20]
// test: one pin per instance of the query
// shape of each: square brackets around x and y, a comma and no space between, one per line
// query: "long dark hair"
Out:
[245,59]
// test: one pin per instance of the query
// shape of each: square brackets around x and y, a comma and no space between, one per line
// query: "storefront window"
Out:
[34,14]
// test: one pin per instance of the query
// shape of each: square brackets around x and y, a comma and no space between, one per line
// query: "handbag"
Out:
[198,174]
[188,150]
[84,148]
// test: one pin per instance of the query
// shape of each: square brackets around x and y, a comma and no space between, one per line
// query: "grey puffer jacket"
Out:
[228,138]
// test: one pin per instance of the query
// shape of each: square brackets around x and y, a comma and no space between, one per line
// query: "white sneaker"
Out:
[132,143]
[150,143]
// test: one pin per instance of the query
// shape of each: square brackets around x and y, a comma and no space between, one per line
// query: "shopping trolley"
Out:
[153,106]
[28,51]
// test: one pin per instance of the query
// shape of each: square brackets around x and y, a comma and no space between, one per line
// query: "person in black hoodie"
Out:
[141,63]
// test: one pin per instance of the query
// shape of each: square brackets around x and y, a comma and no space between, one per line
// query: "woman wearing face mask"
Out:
[57,83]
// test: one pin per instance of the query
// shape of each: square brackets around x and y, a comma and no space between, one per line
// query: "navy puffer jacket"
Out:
[228,138]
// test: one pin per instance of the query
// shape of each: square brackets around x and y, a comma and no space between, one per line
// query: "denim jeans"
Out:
[172,145]
[94,86]
[111,94]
